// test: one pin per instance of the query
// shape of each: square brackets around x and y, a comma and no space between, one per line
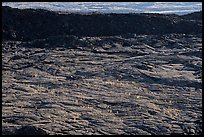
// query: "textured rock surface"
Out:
[25,130]
[126,84]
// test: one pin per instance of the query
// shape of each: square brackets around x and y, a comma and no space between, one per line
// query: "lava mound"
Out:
[29,24]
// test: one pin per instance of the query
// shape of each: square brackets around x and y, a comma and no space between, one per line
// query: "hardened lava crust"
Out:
[101,74]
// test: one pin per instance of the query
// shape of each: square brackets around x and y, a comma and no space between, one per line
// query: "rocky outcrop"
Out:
[29,24]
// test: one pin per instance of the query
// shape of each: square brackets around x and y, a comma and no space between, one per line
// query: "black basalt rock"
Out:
[30,24]
[30,130]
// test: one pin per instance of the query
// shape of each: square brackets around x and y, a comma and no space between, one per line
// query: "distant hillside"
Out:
[193,16]
[31,24]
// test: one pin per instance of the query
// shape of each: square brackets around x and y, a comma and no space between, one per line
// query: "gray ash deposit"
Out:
[101,74]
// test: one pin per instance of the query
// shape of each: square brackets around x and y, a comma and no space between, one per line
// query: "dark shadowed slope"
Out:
[29,24]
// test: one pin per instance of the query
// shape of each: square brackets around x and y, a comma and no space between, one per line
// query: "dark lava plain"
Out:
[101,74]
